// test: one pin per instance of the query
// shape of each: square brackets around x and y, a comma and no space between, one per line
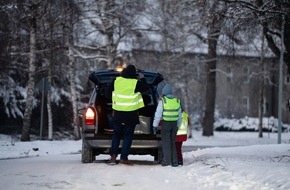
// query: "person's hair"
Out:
[129,72]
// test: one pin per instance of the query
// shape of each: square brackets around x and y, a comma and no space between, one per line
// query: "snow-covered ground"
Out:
[233,161]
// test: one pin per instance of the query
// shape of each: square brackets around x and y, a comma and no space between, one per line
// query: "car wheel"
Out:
[87,154]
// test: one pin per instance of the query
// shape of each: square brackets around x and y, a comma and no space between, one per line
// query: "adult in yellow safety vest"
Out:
[126,96]
[169,112]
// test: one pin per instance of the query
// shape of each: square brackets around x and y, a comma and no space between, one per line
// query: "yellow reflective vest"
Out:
[170,109]
[124,97]
[182,129]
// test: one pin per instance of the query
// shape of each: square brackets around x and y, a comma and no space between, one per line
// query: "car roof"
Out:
[107,76]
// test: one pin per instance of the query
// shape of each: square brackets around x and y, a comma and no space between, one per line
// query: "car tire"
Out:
[87,154]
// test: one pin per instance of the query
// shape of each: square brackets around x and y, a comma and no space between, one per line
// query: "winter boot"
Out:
[113,160]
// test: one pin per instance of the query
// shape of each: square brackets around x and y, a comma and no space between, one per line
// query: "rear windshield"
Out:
[106,77]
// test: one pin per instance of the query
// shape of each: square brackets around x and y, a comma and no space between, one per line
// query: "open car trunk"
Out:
[103,104]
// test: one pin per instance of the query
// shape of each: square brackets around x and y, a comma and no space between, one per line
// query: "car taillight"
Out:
[90,117]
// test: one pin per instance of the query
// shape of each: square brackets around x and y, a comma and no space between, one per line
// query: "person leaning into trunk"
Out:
[169,112]
[125,91]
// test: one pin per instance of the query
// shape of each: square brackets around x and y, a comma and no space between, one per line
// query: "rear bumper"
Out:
[136,144]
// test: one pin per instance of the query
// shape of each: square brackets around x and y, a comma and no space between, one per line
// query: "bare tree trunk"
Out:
[208,120]
[48,104]
[31,80]
[261,99]
[109,33]
[72,76]
[106,26]
[260,126]
[73,92]
[109,48]
[187,99]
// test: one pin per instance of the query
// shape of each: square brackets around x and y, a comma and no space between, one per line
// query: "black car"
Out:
[97,128]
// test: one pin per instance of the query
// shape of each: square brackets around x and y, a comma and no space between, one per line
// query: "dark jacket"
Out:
[128,117]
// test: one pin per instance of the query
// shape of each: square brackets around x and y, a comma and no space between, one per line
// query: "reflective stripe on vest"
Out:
[124,97]
[182,129]
[170,109]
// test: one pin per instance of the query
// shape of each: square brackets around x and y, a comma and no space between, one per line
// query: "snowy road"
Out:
[224,172]
[250,163]
[67,172]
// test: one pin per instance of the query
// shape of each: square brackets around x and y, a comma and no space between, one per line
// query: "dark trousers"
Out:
[168,137]
[127,132]
[179,151]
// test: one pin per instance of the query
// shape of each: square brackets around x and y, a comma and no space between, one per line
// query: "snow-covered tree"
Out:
[38,39]
[269,15]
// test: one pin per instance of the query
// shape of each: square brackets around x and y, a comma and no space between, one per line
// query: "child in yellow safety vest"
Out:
[169,112]
[181,136]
